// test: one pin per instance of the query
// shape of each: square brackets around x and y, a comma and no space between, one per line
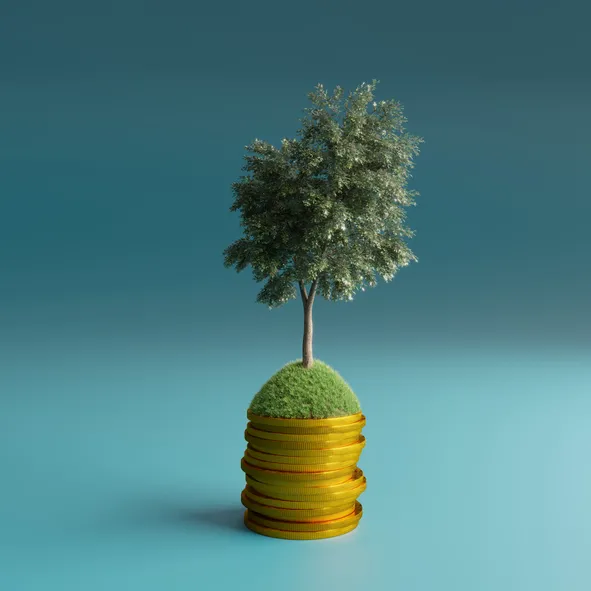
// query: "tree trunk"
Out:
[308,301]
[307,358]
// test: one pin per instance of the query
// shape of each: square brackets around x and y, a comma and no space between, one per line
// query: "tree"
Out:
[327,208]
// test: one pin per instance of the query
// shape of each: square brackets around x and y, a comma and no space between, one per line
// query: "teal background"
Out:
[128,354]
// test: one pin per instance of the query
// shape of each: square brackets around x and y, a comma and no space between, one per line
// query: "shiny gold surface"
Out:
[330,438]
[302,479]
[350,462]
[346,420]
[297,535]
[301,515]
[303,460]
[273,444]
[317,450]
[356,426]
[305,489]
[326,524]
[291,500]
[285,478]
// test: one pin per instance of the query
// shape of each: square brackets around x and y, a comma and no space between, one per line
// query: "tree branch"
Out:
[308,298]
[313,290]
[303,292]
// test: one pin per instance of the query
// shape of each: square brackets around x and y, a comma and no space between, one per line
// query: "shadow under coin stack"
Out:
[302,479]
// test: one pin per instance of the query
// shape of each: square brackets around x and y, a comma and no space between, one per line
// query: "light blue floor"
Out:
[121,471]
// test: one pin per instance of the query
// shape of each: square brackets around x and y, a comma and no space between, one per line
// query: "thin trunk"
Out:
[307,358]
[308,301]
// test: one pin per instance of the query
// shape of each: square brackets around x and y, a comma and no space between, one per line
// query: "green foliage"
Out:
[298,393]
[329,205]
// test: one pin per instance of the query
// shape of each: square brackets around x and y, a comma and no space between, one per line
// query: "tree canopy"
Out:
[328,206]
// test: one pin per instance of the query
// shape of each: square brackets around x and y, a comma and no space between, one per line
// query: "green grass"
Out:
[294,392]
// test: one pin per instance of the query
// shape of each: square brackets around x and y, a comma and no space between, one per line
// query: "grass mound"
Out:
[294,392]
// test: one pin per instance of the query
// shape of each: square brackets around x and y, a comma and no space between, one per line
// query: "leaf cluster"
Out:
[328,206]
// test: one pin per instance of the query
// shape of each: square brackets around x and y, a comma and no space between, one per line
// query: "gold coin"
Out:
[271,444]
[302,468]
[356,426]
[346,420]
[323,525]
[301,487]
[301,515]
[294,448]
[278,489]
[322,494]
[297,535]
[285,478]
[301,460]
[305,503]
[330,438]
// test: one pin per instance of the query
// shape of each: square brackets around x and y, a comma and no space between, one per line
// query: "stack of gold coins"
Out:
[302,479]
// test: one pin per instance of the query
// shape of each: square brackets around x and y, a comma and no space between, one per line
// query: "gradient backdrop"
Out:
[128,354]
